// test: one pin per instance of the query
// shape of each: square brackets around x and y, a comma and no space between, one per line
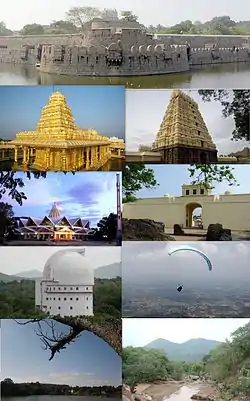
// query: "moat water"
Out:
[228,76]
[59,398]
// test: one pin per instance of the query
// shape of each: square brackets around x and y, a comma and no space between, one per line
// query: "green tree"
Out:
[107,227]
[32,29]
[6,219]
[60,27]
[129,16]
[4,31]
[80,15]
[235,103]
[110,14]
[134,178]
[207,175]
[145,365]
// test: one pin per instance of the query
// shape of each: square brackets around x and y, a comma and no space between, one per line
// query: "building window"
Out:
[194,191]
[50,307]
[59,288]
[65,288]
[71,299]
[199,132]
[59,299]
[87,307]
[71,307]
[47,289]
[77,299]
[71,288]
[77,288]
[87,288]
[54,288]
[47,299]
[50,299]
[187,191]
[54,299]
[87,298]
[202,191]
[65,299]
[59,307]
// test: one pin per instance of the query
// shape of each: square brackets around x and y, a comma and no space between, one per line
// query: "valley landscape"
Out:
[151,278]
[186,359]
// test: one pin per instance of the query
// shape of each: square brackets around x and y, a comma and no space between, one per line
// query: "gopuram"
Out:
[183,137]
[59,145]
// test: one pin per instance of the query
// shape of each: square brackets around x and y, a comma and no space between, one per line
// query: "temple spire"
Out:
[54,213]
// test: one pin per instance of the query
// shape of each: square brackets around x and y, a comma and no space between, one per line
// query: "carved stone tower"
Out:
[183,137]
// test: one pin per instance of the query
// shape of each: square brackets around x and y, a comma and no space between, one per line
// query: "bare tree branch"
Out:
[108,329]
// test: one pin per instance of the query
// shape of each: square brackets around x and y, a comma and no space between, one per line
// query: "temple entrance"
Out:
[203,158]
[194,215]
[65,234]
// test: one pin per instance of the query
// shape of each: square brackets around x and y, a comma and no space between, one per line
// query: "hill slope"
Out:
[7,279]
[109,271]
[192,350]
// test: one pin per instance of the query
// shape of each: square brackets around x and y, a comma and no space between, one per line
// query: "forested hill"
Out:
[191,351]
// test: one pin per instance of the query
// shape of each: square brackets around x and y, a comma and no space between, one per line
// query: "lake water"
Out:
[207,77]
[60,398]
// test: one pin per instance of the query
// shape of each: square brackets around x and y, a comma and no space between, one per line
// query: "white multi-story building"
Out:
[66,288]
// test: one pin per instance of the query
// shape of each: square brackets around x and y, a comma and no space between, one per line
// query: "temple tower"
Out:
[57,121]
[54,213]
[183,136]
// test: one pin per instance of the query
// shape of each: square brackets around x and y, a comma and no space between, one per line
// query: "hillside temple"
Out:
[182,138]
[59,145]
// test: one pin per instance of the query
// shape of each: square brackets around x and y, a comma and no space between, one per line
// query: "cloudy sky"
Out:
[16,259]
[184,267]
[140,332]
[156,12]
[145,109]
[89,361]
[89,195]
[98,107]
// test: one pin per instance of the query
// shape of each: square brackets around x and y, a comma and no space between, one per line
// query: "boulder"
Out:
[144,230]
[178,230]
[216,232]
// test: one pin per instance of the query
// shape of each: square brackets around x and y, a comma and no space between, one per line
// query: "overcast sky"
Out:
[16,259]
[145,109]
[185,267]
[16,13]
[140,332]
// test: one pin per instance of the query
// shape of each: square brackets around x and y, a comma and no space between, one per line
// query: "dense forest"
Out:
[17,298]
[11,389]
[77,19]
[228,365]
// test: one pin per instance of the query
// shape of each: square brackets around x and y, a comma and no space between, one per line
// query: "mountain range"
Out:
[109,271]
[191,351]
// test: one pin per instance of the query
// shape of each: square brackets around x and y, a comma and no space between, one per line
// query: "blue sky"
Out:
[139,332]
[155,12]
[99,107]
[89,195]
[89,361]
[171,177]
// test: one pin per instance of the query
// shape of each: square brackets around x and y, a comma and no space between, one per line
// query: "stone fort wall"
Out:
[106,50]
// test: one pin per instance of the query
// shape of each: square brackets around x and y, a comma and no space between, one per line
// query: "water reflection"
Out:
[228,76]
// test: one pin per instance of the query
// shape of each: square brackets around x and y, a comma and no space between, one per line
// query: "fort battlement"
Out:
[118,48]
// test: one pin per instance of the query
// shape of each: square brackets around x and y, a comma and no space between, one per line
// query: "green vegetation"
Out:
[17,299]
[227,365]
[138,176]
[77,19]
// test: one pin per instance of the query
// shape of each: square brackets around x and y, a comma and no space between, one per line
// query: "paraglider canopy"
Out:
[189,248]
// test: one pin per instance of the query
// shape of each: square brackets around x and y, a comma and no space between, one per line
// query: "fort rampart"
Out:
[107,50]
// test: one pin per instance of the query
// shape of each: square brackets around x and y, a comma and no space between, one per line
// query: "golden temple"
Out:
[59,145]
